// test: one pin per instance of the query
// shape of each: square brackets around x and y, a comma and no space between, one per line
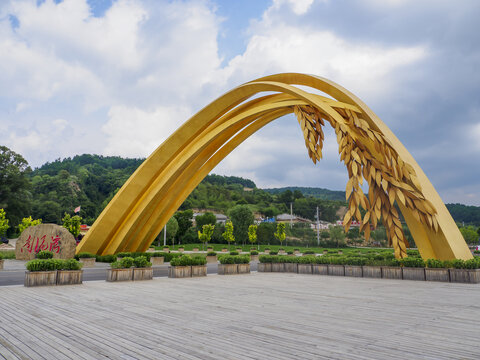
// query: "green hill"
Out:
[311,191]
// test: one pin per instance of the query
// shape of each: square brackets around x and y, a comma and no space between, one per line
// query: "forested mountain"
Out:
[90,181]
[311,191]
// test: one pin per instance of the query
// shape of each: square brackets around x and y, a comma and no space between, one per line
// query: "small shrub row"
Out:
[234,259]
[187,260]
[128,262]
[53,264]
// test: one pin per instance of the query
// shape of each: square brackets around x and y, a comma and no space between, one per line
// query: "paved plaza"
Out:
[256,316]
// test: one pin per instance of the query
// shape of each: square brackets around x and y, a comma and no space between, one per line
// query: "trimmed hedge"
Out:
[44,255]
[141,262]
[106,258]
[53,264]
[235,259]
[187,260]
[85,255]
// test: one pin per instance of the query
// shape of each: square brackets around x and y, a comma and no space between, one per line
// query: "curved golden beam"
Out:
[140,209]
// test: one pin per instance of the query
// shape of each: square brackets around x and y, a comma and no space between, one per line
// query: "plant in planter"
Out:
[273,253]
[305,264]
[320,267]
[308,252]
[234,253]
[227,265]
[296,251]
[228,233]
[121,270]
[265,264]
[391,268]
[199,266]
[157,258]
[211,257]
[142,269]
[166,248]
[181,249]
[70,272]
[243,264]
[267,251]
[121,255]
[413,268]
[437,270]
[180,267]
[281,251]
[106,258]
[354,266]
[253,255]
[87,259]
[465,271]
[42,272]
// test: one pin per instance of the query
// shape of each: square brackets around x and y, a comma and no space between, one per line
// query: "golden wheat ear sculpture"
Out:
[370,151]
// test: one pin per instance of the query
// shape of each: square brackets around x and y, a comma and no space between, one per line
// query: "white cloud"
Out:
[133,132]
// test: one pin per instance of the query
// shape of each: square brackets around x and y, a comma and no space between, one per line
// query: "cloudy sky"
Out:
[117,77]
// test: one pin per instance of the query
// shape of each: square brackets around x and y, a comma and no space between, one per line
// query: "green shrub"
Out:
[211,253]
[273,253]
[167,257]
[127,262]
[309,252]
[355,261]
[472,264]
[289,252]
[309,259]
[106,258]
[141,262]
[123,254]
[1,255]
[166,247]
[322,260]
[71,264]
[233,252]
[184,260]
[476,251]
[242,259]
[156,254]
[254,252]
[458,264]
[116,265]
[199,260]
[7,254]
[413,262]
[434,264]
[227,259]
[45,264]
[266,258]
[85,255]
[44,255]
[338,260]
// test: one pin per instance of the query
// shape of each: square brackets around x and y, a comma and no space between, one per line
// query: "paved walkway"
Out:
[256,316]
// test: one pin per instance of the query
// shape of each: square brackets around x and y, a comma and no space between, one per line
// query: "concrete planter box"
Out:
[353,270]
[471,276]
[266,251]
[411,273]
[1,264]
[181,249]
[433,274]
[69,277]
[227,269]
[308,255]
[253,257]
[87,262]
[305,269]
[179,271]
[239,250]
[296,252]
[157,260]
[212,259]
[224,250]
[120,274]
[336,270]
[209,248]
[320,269]
[372,271]
[166,249]
[264,267]
[40,278]
[243,268]
[392,272]
[291,267]
[199,270]
[281,252]
[195,249]
[278,267]
[325,252]
[142,274]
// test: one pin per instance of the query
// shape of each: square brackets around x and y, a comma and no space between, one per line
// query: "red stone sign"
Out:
[49,237]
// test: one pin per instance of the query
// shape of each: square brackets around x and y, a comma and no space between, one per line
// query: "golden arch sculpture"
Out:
[370,151]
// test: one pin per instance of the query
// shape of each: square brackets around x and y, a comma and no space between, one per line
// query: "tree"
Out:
[27,222]
[252,234]
[15,197]
[228,234]
[337,234]
[280,233]
[206,234]
[172,228]
[265,232]
[3,224]
[242,218]
[184,219]
[72,224]
[469,234]
[207,218]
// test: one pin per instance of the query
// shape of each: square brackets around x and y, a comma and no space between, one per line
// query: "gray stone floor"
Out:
[256,316]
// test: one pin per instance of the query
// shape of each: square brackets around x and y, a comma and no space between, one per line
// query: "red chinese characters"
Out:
[37,244]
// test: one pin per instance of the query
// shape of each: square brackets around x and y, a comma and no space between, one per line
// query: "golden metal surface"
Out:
[370,151]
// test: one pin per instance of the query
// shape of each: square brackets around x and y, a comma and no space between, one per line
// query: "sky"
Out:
[118,77]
